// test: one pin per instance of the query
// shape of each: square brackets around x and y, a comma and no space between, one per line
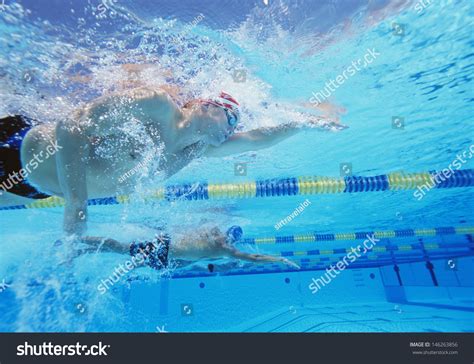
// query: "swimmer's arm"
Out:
[259,257]
[177,161]
[254,140]
[71,168]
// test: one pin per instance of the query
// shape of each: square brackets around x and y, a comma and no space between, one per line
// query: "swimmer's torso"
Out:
[124,143]
[199,246]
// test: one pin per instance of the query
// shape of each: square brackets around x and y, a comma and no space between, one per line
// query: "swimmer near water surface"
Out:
[90,155]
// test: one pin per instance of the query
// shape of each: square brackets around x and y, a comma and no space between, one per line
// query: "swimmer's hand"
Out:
[290,263]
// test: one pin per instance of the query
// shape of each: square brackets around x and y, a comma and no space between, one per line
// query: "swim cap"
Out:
[228,104]
[234,233]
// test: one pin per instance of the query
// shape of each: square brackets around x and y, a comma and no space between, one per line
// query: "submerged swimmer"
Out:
[88,154]
[94,149]
[205,244]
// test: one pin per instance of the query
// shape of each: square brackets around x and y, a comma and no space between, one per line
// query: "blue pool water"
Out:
[409,110]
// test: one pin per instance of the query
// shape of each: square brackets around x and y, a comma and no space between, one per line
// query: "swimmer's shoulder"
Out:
[146,93]
[148,99]
[143,93]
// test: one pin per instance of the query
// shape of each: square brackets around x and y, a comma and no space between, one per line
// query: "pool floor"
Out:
[442,316]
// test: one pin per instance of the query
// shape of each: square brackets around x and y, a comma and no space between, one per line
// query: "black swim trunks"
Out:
[12,132]
[154,253]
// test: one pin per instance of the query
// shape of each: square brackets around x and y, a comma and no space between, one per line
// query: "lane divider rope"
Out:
[292,186]
[361,235]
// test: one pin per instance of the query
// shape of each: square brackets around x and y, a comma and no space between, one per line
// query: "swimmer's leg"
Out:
[105,245]
[152,253]
[100,244]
